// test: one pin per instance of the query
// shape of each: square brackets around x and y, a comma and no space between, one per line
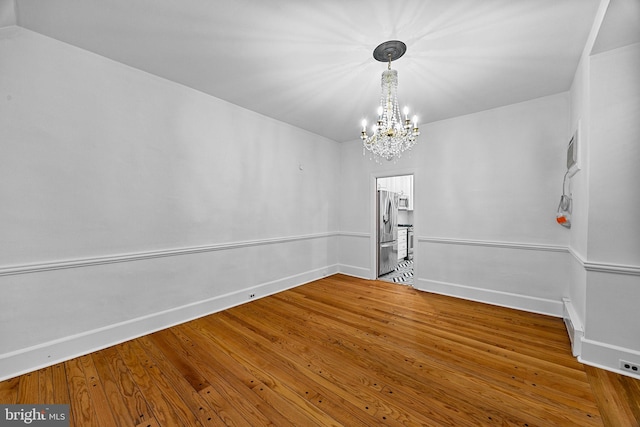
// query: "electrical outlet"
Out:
[630,367]
[252,295]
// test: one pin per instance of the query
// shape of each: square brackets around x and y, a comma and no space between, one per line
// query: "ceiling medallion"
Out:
[391,135]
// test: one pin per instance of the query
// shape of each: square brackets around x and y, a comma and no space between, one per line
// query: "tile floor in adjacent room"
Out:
[402,274]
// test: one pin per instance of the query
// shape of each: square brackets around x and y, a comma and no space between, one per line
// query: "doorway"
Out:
[394,197]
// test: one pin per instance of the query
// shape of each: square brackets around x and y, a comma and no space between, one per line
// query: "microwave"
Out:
[403,202]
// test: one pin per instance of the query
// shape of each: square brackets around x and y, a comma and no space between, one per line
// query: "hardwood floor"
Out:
[341,352]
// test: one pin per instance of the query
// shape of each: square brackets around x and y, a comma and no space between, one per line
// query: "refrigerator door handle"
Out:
[387,213]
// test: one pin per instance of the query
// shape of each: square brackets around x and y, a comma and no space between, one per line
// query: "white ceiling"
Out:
[620,27]
[310,63]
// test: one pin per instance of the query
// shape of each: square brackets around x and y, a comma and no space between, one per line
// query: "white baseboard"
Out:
[350,270]
[499,298]
[50,353]
[607,356]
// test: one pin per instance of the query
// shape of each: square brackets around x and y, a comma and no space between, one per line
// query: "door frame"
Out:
[373,195]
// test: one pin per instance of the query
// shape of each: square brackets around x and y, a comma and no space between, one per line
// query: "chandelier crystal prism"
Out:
[391,134]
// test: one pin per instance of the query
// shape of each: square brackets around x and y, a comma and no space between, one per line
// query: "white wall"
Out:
[614,202]
[7,13]
[487,187]
[612,329]
[130,202]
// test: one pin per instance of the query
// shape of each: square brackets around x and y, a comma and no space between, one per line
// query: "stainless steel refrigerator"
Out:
[387,213]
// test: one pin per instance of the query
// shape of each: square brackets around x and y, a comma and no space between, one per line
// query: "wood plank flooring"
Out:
[341,352]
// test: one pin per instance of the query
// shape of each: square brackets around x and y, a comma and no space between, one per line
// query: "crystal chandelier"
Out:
[391,135]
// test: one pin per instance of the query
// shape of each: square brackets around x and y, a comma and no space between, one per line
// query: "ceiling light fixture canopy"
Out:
[391,135]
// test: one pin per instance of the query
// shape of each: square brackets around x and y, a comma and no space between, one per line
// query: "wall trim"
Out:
[354,234]
[32,358]
[352,270]
[494,244]
[607,356]
[138,256]
[489,296]
[605,267]
[597,266]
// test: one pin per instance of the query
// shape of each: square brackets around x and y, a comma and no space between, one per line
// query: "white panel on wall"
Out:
[494,272]
[612,308]
[496,175]
[614,200]
[103,159]
[579,184]
[354,254]
[577,292]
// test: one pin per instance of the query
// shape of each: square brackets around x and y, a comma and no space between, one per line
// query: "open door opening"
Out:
[394,225]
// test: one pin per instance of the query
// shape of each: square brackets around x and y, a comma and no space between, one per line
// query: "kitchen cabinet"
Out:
[403,185]
[405,189]
[402,243]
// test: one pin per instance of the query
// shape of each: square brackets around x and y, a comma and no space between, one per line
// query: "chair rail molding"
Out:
[494,244]
[145,255]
